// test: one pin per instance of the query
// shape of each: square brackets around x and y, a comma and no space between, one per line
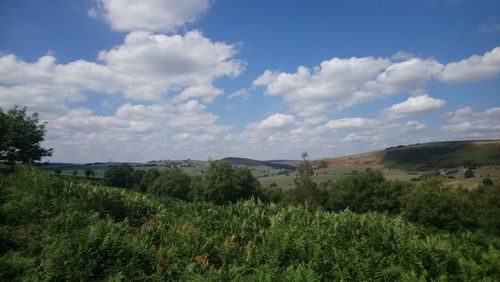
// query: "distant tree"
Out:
[147,179]
[306,190]
[487,181]
[361,192]
[137,177]
[434,204]
[89,173]
[21,137]
[172,183]
[57,171]
[119,176]
[223,184]
[468,173]
[75,172]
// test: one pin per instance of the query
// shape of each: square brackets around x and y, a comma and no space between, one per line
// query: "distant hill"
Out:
[422,156]
[278,164]
[443,154]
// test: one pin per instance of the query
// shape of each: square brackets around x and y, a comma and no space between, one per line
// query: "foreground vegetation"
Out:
[52,229]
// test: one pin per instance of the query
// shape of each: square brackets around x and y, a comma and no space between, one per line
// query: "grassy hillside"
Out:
[58,231]
[443,154]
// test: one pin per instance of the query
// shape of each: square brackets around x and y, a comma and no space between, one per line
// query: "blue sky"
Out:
[156,79]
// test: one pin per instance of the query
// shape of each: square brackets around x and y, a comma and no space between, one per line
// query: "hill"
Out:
[443,154]
[276,164]
[423,156]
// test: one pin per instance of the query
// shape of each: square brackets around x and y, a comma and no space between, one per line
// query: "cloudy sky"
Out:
[172,79]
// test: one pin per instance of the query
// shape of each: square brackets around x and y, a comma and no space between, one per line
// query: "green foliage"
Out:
[434,204]
[366,191]
[20,137]
[171,183]
[119,176]
[486,201]
[468,173]
[89,172]
[223,184]
[487,181]
[306,190]
[57,231]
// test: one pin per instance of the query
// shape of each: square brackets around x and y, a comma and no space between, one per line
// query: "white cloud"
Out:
[474,68]
[465,123]
[347,123]
[491,27]
[144,67]
[274,122]
[149,15]
[339,83]
[414,106]
[242,94]
[134,132]
[311,92]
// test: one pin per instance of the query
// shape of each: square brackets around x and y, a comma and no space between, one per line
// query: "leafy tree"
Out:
[89,172]
[119,176]
[434,204]
[487,205]
[468,173]
[147,179]
[358,192]
[57,171]
[75,172]
[223,184]
[487,181]
[21,137]
[172,183]
[306,190]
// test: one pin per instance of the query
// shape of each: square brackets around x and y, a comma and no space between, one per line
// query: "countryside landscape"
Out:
[217,140]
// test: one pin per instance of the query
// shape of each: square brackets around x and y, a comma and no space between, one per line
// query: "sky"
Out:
[149,80]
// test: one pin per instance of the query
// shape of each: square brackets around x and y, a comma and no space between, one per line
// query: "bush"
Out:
[171,183]
[119,176]
[487,181]
[469,173]
[433,204]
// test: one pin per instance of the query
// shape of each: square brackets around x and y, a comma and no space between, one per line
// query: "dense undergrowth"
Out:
[55,230]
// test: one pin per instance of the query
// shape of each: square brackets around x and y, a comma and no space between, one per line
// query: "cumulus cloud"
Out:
[274,122]
[311,92]
[340,83]
[466,123]
[414,106]
[144,67]
[474,68]
[149,15]
[135,131]
[346,123]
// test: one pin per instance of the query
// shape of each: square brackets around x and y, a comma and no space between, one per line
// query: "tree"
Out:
[487,181]
[57,171]
[119,176]
[468,173]
[75,172]
[223,184]
[89,173]
[20,137]
[306,190]
[172,183]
